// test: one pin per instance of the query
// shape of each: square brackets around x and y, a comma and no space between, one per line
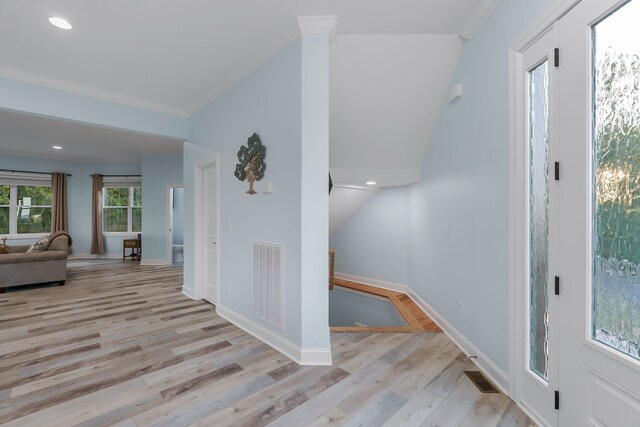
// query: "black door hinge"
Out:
[557,171]
[556,57]
[557,283]
[557,400]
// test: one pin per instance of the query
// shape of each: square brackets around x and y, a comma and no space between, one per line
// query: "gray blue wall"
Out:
[267,102]
[159,173]
[373,242]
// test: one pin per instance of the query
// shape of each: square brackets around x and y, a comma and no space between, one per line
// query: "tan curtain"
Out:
[59,203]
[97,237]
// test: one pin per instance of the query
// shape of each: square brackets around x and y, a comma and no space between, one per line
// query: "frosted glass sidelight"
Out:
[538,220]
[615,286]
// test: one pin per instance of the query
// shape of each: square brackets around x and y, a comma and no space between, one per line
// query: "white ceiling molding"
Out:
[477,19]
[319,25]
[27,77]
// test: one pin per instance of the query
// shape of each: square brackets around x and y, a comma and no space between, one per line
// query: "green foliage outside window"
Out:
[4,209]
[34,220]
[117,203]
[4,220]
[116,197]
[34,196]
[4,195]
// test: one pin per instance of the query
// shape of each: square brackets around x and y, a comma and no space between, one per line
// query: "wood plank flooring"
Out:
[120,345]
[416,319]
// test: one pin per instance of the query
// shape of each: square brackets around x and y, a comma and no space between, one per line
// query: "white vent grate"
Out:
[267,283]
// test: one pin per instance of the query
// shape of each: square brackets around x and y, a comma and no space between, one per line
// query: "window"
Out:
[25,209]
[122,209]
[5,208]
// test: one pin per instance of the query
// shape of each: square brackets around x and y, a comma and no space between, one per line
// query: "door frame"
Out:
[198,224]
[518,197]
[169,216]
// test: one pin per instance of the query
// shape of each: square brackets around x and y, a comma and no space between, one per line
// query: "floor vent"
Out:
[480,381]
[268,292]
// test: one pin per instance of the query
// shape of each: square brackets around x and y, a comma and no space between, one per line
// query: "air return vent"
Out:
[268,283]
[480,381]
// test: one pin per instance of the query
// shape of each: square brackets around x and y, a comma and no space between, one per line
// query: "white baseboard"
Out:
[379,283]
[302,356]
[490,369]
[155,262]
[74,256]
[188,293]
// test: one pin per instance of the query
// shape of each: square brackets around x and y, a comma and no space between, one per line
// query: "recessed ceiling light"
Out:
[60,23]
[57,147]
[371,183]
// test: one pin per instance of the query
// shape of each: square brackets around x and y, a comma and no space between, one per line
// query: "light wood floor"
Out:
[416,319]
[119,344]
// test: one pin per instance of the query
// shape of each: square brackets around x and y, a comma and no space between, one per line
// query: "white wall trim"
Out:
[319,25]
[517,157]
[154,262]
[78,257]
[476,20]
[198,221]
[490,369]
[188,293]
[48,82]
[302,356]
[373,282]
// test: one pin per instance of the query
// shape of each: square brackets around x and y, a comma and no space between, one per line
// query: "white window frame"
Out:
[15,180]
[121,182]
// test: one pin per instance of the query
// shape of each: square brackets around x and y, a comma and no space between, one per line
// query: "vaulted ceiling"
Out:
[174,56]
[391,65]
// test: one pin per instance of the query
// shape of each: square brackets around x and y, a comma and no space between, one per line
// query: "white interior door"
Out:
[538,327]
[599,222]
[210,236]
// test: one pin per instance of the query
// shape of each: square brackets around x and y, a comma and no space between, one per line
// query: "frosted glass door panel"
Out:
[616,214]
[538,219]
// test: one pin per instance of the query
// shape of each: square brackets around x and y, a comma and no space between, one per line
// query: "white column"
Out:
[317,31]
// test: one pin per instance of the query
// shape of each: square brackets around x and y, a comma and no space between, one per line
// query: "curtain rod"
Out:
[112,176]
[40,173]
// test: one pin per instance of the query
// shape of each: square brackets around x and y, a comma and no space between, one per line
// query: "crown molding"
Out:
[40,80]
[319,25]
[476,20]
[242,72]
[73,159]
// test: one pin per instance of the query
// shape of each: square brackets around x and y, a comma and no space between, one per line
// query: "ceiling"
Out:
[35,136]
[386,92]
[175,56]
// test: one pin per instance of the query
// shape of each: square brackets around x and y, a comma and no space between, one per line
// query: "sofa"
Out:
[21,268]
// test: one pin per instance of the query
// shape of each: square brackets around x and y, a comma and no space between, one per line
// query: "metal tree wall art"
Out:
[251,164]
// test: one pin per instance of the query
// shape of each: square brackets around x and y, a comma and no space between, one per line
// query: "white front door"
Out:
[599,214]
[538,328]
[210,236]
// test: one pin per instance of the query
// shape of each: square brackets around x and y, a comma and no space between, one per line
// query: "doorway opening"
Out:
[176,224]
